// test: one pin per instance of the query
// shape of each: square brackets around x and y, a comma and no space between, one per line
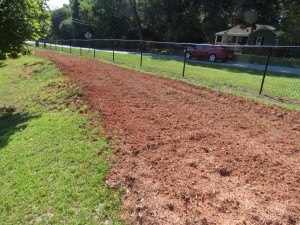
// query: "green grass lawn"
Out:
[213,75]
[277,85]
[261,60]
[50,172]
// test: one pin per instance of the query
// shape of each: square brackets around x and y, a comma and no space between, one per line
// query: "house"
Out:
[262,35]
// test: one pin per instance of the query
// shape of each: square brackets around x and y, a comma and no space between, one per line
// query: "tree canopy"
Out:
[20,20]
[169,20]
[290,29]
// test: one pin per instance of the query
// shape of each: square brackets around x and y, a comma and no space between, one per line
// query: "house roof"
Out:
[239,31]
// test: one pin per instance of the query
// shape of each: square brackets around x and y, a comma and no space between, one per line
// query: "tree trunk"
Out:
[136,18]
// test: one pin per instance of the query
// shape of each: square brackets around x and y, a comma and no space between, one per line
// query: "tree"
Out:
[251,12]
[20,20]
[111,19]
[58,26]
[137,18]
[167,20]
[290,26]
[182,20]
[217,16]
[66,29]
[76,31]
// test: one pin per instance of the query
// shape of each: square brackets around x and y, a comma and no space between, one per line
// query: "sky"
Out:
[55,4]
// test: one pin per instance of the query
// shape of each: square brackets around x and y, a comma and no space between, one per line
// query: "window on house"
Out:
[258,41]
[233,40]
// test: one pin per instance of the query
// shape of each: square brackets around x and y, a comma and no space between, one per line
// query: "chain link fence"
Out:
[272,71]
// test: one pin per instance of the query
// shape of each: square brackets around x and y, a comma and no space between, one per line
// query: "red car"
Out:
[210,52]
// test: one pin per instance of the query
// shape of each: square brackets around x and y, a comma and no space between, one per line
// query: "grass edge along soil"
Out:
[237,91]
[53,164]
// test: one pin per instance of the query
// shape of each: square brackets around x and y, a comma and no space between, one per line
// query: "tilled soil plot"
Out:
[190,155]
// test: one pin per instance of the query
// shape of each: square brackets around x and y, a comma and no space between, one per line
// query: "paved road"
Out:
[276,69]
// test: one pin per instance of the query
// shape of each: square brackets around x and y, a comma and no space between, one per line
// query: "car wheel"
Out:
[188,55]
[212,58]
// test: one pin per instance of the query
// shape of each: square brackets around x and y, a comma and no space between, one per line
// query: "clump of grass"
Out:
[6,111]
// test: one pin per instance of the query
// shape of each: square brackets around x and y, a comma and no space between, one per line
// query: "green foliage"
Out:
[76,29]
[252,12]
[57,17]
[180,21]
[3,56]
[290,29]
[172,20]
[20,20]
[114,19]
[16,52]
[67,22]
[13,55]
[66,29]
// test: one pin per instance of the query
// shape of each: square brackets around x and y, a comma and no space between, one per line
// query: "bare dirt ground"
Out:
[190,155]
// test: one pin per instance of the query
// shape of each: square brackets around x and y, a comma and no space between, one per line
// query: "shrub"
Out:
[3,56]
[13,55]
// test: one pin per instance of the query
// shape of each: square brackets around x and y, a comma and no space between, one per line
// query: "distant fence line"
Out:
[268,70]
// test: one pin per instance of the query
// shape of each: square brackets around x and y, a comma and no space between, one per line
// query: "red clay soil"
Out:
[190,155]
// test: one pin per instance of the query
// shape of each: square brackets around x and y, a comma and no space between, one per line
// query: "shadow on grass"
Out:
[2,64]
[11,122]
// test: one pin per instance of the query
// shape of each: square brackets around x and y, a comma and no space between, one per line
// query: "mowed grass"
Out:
[277,85]
[213,75]
[50,172]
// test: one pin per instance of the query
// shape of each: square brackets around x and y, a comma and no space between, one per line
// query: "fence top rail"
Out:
[176,43]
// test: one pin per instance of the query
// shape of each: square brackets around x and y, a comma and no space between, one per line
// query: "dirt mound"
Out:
[190,155]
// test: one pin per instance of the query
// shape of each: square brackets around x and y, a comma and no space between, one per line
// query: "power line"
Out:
[74,20]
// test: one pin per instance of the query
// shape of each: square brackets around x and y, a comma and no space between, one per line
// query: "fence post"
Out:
[55,45]
[141,61]
[50,45]
[62,46]
[95,49]
[184,60]
[80,48]
[70,46]
[113,50]
[266,69]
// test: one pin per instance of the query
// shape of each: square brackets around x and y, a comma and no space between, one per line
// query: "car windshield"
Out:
[203,46]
